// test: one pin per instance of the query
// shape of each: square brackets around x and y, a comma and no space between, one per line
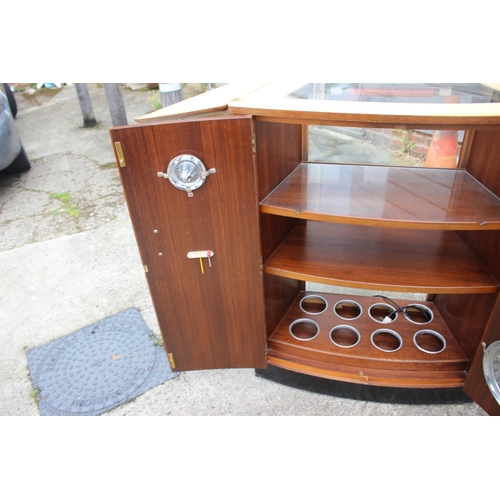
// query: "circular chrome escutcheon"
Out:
[418,314]
[344,336]
[382,313]
[348,309]
[304,329]
[186,172]
[386,340]
[429,341]
[313,304]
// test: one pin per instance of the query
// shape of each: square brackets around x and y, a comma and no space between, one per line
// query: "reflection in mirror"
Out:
[381,146]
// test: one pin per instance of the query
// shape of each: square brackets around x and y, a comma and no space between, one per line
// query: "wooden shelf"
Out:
[385,196]
[405,367]
[376,258]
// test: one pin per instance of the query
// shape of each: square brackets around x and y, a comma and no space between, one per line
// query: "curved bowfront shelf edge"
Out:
[291,375]
[370,377]
[397,197]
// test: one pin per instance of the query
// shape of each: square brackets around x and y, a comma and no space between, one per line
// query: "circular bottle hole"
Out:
[418,314]
[347,309]
[303,329]
[386,340]
[344,336]
[380,313]
[429,341]
[313,304]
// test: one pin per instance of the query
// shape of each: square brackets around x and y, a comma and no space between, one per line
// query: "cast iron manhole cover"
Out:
[98,367]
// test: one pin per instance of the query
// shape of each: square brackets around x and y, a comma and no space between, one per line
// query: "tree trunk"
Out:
[115,104]
[170,93]
[85,105]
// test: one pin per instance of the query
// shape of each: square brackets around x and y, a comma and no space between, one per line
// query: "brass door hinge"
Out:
[119,154]
[145,268]
[171,360]
[254,145]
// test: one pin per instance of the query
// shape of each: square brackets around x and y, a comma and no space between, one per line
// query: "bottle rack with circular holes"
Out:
[368,339]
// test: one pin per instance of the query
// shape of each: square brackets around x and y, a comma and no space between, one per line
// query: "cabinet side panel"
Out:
[484,159]
[279,152]
[466,316]
[280,294]
[484,165]
[486,247]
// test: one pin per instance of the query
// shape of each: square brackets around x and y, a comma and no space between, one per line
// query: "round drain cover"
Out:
[98,367]
[95,370]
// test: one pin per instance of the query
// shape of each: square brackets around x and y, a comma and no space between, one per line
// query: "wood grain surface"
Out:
[407,366]
[385,196]
[279,151]
[376,258]
[211,317]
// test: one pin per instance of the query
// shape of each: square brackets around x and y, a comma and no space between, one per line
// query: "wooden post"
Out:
[170,93]
[115,104]
[85,104]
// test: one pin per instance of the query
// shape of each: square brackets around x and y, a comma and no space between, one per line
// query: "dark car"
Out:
[13,159]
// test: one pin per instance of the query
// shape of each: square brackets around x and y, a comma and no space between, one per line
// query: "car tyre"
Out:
[20,164]
[11,99]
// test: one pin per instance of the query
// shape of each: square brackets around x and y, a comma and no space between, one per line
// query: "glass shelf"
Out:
[385,196]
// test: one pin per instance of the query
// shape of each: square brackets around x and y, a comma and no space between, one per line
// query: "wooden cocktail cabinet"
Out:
[249,239]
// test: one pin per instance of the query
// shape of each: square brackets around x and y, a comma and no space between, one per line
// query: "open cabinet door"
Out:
[210,310]
[476,386]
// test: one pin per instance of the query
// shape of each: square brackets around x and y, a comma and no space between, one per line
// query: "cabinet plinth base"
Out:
[377,394]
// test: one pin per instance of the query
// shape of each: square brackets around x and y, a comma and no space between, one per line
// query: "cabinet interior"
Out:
[392,231]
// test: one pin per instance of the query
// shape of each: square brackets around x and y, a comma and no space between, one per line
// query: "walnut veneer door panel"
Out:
[211,317]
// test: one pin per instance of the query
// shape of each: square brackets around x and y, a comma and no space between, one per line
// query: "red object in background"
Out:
[443,150]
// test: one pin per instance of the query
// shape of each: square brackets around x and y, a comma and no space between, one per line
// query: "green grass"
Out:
[156,340]
[64,197]
[66,208]
[34,394]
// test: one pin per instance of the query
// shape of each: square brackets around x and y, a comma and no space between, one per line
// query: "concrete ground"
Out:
[68,258]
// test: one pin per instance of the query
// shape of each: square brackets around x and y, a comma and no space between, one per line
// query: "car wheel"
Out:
[19,165]
[11,99]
